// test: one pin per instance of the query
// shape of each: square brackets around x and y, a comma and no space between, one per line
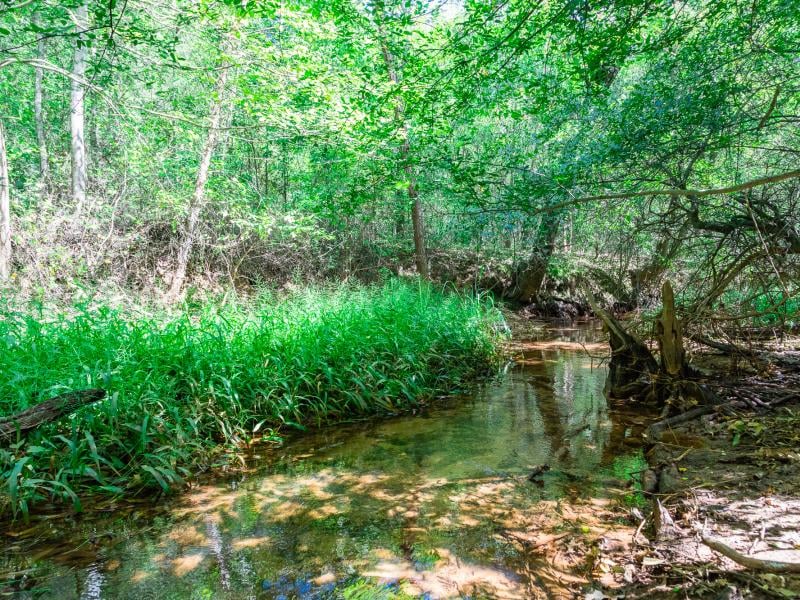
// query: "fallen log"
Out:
[654,430]
[750,562]
[47,411]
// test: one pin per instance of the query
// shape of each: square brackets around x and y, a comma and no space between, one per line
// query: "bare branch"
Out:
[756,564]
[747,185]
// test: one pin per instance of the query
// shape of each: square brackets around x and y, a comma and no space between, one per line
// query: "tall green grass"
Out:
[185,386]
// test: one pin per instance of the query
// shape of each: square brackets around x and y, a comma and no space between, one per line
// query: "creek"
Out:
[437,504]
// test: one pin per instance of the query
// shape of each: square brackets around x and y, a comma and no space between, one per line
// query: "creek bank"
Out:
[556,308]
[725,481]
[722,481]
[733,477]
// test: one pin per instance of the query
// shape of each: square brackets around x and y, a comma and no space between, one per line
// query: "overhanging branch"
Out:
[675,192]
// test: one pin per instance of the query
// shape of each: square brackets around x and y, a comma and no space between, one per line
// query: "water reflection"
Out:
[434,505]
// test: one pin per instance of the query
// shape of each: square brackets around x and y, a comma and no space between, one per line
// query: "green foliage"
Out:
[184,386]
[508,115]
[424,558]
[748,428]
[630,468]
[363,589]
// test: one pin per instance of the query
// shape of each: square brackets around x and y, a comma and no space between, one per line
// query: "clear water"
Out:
[429,504]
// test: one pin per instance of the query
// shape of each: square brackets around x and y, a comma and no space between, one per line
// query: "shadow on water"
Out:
[436,505]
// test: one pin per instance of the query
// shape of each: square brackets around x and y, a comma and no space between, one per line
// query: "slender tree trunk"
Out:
[285,179]
[5,211]
[417,212]
[38,109]
[77,113]
[198,197]
[420,254]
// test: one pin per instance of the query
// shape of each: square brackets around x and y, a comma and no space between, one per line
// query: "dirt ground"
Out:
[734,478]
[729,477]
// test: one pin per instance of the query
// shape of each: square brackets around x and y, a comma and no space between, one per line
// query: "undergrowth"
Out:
[185,386]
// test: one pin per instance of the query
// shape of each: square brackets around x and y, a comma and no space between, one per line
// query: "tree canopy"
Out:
[542,142]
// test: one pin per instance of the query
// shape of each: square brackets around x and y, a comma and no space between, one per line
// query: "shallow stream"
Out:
[437,504]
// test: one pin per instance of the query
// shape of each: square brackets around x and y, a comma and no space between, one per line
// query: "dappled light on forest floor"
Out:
[752,508]
[453,502]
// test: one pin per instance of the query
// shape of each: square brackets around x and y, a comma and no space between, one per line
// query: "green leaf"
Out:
[12,479]
[157,476]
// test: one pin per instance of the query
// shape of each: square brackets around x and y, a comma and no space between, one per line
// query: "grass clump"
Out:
[184,385]
[363,589]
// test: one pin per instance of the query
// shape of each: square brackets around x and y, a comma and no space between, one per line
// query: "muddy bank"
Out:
[724,487]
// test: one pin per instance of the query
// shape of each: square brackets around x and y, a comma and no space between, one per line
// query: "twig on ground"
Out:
[750,562]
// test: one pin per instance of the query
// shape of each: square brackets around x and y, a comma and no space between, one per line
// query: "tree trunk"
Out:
[417,212]
[198,197]
[5,210]
[38,109]
[77,111]
[285,179]
[669,335]
[645,277]
[529,275]
[420,254]
[632,366]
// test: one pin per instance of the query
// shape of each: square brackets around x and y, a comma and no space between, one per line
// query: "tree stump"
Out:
[635,373]
[669,336]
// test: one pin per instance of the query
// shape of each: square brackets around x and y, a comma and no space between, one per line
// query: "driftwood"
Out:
[654,431]
[663,523]
[750,562]
[631,364]
[635,373]
[725,347]
[47,411]
[537,472]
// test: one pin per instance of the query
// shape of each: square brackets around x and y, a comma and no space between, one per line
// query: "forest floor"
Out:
[731,477]
[735,479]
